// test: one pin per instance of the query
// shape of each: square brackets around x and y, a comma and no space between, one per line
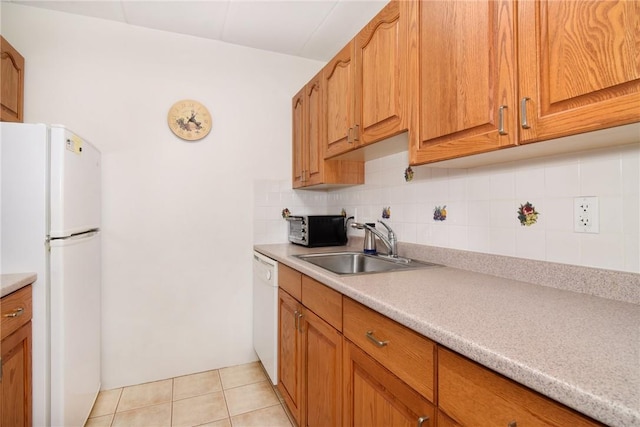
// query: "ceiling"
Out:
[314,29]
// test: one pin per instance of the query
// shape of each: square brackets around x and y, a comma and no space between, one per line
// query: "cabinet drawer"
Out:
[473,395]
[404,352]
[16,311]
[323,301]
[290,280]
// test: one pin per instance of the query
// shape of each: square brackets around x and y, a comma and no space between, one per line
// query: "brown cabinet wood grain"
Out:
[472,395]
[579,66]
[572,68]
[408,355]
[11,83]
[466,79]
[375,397]
[366,84]
[310,354]
[309,166]
[290,353]
[15,354]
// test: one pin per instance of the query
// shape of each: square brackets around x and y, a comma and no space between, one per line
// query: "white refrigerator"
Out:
[50,183]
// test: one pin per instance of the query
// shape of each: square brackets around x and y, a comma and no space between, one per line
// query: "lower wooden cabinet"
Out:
[472,395]
[341,363]
[375,397]
[310,357]
[15,372]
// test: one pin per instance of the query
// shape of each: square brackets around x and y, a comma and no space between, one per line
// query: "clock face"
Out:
[189,120]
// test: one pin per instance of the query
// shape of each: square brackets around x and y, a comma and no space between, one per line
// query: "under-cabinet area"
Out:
[448,347]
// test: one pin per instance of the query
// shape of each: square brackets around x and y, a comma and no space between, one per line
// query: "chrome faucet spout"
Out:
[390,240]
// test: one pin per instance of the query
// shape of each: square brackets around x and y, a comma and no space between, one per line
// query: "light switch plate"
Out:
[586,215]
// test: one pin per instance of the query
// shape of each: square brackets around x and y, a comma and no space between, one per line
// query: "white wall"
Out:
[177,216]
[482,206]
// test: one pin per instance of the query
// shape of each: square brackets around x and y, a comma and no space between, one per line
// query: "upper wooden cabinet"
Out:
[466,79]
[579,66]
[11,83]
[573,69]
[309,166]
[366,83]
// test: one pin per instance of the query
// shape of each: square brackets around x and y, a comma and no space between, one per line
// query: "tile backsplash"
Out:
[482,206]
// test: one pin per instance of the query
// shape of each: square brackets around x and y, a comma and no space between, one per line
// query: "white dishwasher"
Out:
[265,313]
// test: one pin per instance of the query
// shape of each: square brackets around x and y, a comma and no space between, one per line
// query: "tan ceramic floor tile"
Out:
[149,416]
[222,423]
[147,394]
[250,397]
[273,416]
[195,411]
[106,402]
[196,384]
[239,375]
[103,421]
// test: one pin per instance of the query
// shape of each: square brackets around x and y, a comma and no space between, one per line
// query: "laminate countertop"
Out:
[12,282]
[578,349]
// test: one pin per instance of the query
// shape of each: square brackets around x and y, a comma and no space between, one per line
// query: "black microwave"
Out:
[317,230]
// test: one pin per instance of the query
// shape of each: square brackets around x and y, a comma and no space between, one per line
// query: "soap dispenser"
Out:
[369,240]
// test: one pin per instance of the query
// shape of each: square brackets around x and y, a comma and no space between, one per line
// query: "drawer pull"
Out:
[523,113]
[421,420]
[375,340]
[17,312]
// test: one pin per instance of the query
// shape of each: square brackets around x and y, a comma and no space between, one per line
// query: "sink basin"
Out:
[360,263]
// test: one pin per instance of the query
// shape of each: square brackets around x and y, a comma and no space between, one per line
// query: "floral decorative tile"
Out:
[408,174]
[527,214]
[386,212]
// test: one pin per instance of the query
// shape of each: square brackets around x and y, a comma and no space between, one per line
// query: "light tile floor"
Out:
[238,396]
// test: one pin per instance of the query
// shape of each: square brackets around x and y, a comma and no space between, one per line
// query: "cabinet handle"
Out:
[349,140]
[375,340]
[421,420]
[297,319]
[501,130]
[300,316]
[523,113]
[17,312]
[356,136]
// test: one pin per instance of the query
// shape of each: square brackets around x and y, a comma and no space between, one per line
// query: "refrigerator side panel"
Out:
[75,328]
[75,184]
[23,225]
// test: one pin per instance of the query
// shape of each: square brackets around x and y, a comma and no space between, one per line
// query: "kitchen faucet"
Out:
[390,240]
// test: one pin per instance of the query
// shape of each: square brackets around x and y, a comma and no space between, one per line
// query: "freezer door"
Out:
[75,184]
[75,328]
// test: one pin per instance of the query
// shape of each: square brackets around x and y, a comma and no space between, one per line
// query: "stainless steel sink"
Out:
[360,263]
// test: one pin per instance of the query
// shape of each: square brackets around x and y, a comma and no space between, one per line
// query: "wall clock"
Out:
[189,119]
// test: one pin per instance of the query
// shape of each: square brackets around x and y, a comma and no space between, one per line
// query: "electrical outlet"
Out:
[586,215]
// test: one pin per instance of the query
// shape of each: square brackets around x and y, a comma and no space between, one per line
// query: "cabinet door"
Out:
[290,353]
[323,373]
[15,383]
[339,102]
[314,157]
[377,398]
[298,147]
[466,80]
[381,68]
[475,396]
[11,83]
[579,66]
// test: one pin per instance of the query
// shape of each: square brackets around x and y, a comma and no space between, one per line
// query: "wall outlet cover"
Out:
[586,215]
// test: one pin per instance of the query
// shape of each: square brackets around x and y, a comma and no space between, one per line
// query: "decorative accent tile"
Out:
[285,213]
[440,213]
[408,174]
[527,214]
[386,212]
